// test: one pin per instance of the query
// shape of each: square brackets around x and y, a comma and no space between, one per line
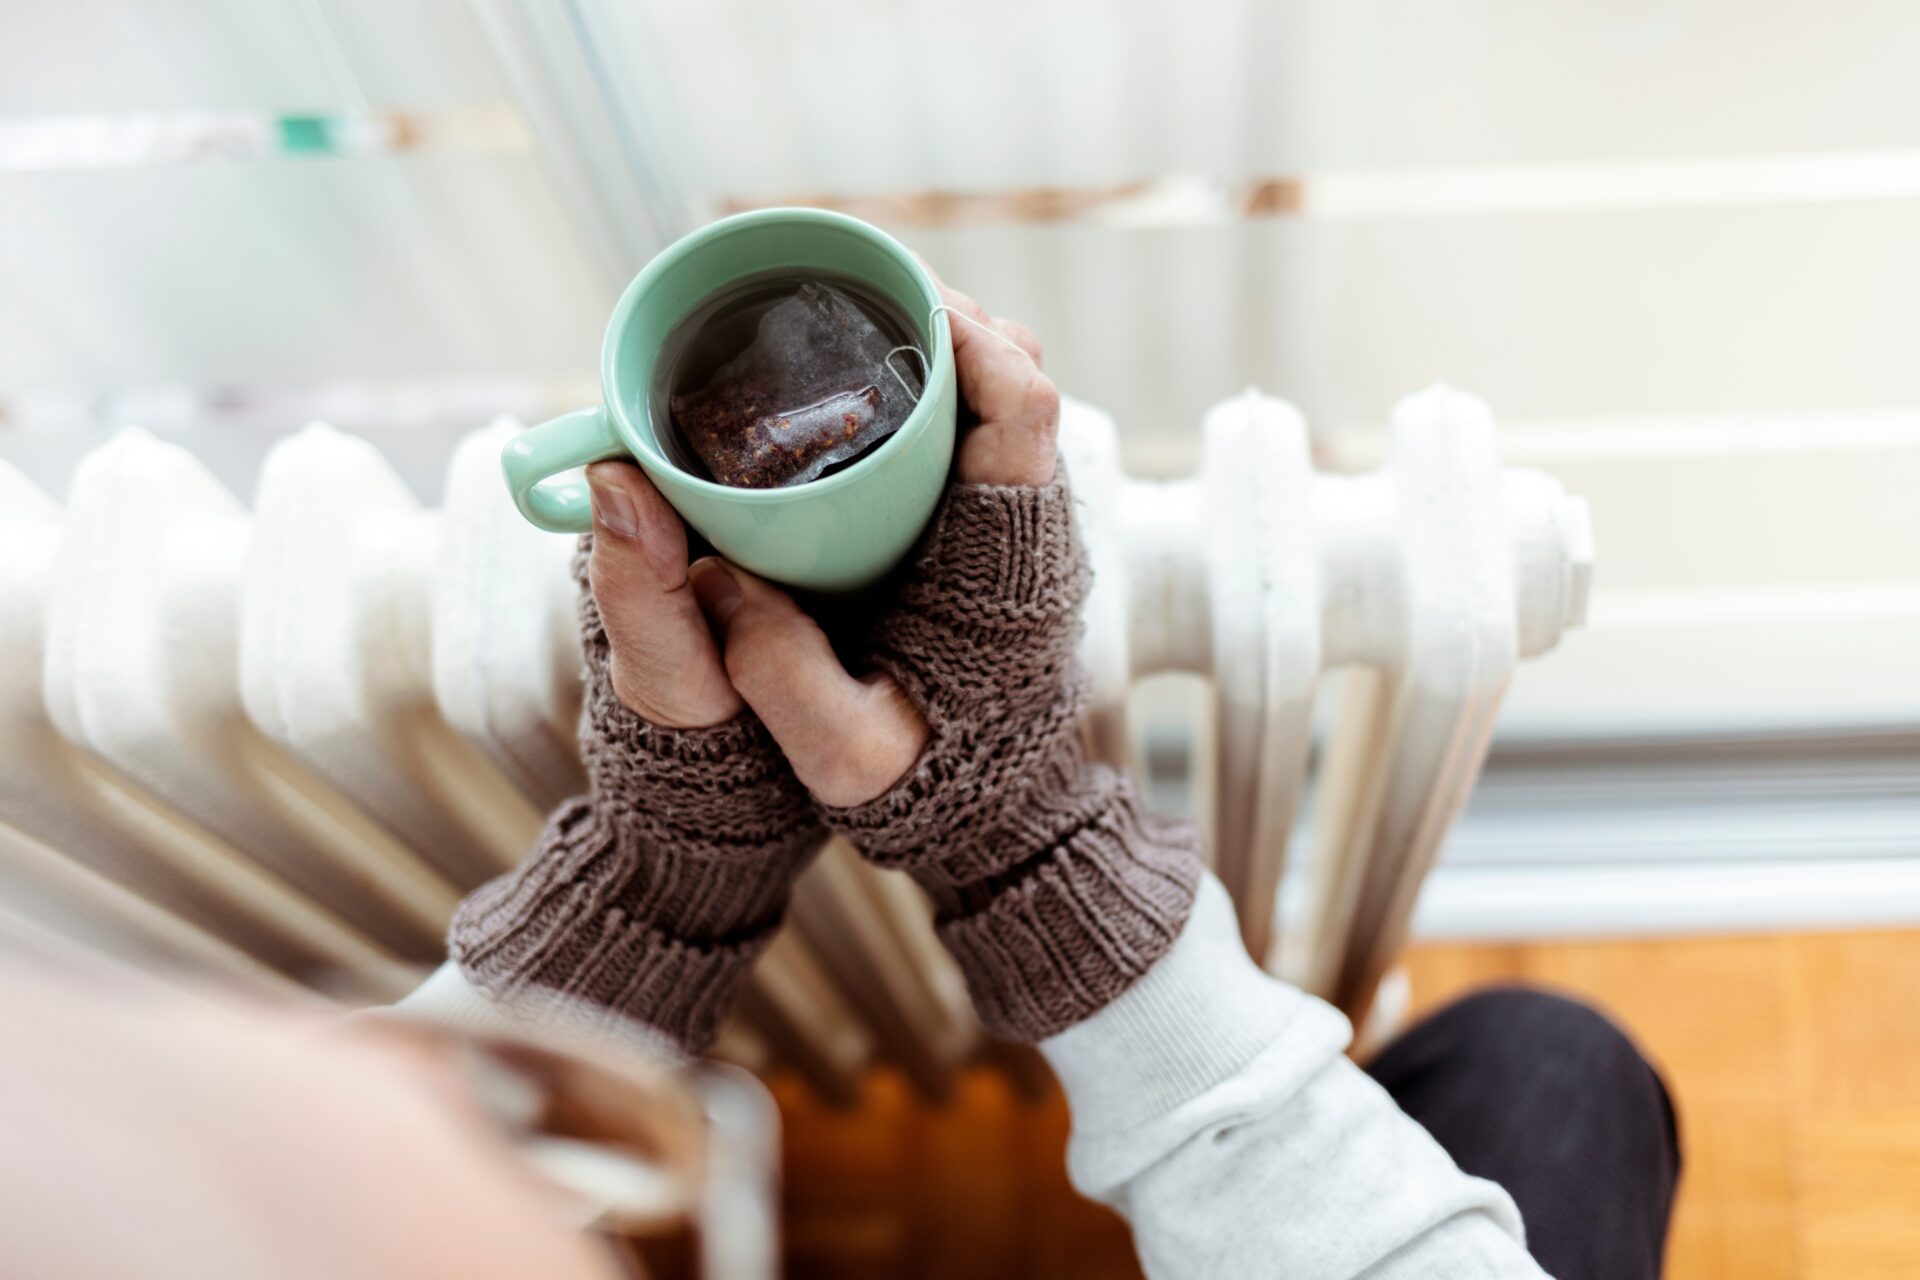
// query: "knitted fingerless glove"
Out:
[1053,890]
[650,896]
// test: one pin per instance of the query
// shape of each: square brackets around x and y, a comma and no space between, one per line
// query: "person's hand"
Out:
[1018,406]
[951,751]
[650,896]
[850,738]
[664,664]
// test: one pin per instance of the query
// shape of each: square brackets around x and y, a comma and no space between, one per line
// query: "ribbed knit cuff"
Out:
[1053,941]
[591,918]
[605,963]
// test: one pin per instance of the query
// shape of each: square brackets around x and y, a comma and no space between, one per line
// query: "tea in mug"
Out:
[780,379]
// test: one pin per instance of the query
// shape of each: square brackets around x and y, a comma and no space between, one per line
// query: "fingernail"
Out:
[612,508]
[717,590]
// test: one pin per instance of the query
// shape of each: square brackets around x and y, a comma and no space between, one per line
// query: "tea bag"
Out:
[815,387]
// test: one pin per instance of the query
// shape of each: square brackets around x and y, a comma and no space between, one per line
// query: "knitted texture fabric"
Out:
[649,897]
[1053,890]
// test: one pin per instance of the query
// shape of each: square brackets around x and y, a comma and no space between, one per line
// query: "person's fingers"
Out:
[966,304]
[992,373]
[1024,338]
[1018,406]
[663,662]
[848,740]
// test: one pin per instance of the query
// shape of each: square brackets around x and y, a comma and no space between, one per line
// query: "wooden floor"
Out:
[1795,1061]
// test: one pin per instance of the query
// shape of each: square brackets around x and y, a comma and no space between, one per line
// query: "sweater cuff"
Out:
[593,916]
[605,967]
[1072,931]
[1199,1016]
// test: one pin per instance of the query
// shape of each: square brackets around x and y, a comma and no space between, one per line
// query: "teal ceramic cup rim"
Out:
[839,532]
[623,400]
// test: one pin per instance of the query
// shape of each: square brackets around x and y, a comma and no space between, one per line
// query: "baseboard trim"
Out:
[1642,899]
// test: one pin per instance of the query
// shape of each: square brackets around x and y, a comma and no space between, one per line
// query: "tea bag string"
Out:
[913,393]
[987,329]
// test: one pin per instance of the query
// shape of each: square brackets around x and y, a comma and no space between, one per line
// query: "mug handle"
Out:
[532,458]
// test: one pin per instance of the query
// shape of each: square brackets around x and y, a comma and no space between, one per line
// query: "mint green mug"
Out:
[836,533]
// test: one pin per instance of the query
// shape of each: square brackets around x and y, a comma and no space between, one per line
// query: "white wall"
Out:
[1642,336]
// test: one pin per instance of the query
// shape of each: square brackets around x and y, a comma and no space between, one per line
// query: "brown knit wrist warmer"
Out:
[650,896]
[1054,891]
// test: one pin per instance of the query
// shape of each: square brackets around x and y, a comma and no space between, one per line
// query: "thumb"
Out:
[661,659]
[848,740]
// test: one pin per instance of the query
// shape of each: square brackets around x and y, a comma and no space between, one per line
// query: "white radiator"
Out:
[280,743]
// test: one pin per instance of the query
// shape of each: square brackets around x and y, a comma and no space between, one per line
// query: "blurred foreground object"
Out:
[157,1131]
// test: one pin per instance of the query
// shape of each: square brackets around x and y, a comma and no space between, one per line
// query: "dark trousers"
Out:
[1544,1096]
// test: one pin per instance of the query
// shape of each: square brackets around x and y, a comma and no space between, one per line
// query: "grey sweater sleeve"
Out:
[1214,1108]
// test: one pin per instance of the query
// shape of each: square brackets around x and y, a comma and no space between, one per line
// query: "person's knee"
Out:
[1542,1032]
[1548,1019]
